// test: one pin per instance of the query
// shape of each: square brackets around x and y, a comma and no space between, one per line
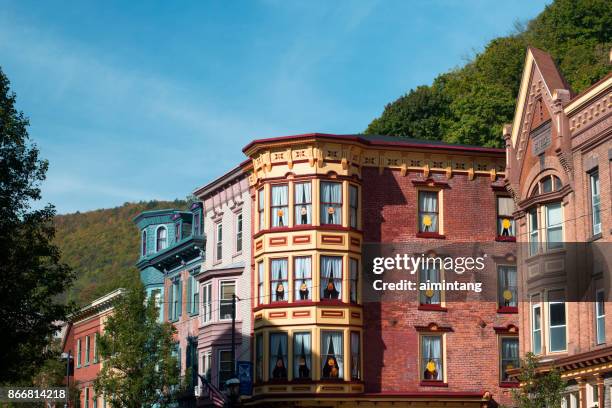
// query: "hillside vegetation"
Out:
[470,104]
[102,247]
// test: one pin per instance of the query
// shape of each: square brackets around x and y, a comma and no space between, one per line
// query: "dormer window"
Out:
[144,242]
[162,238]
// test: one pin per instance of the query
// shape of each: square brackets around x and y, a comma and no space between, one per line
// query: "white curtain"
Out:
[277,340]
[505,208]
[432,351]
[336,341]
[331,203]
[355,356]
[302,272]
[301,340]
[428,209]
[331,267]
[279,203]
[510,350]
[278,276]
[303,200]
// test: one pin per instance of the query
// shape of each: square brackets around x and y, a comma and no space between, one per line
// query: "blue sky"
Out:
[135,101]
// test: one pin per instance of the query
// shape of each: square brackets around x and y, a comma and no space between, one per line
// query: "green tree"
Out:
[32,275]
[539,389]
[139,366]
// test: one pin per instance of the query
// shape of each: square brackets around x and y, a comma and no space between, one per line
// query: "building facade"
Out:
[80,339]
[318,201]
[559,150]
[225,273]
[172,249]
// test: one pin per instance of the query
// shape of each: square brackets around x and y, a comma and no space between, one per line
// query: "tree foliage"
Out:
[539,390]
[32,275]
[139,368]
[470,104]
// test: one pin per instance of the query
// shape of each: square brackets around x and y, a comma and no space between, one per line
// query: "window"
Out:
[177,232]
[227,291]
[430,296]
[239,233]
[331,277]
[260,283]
[554,226]
[156,295]
[95,348]
[207,365]
[355,356]
[260,208]
[533,232]
[86,397]
[95,401]
[302,355]
[505,220]
[547,184]
[353,205]
[600,316]
[219,249]
[87,350]
[595,202]
[259,348]
[557,325]
[354,279]
[332,361]
[431,358]
[280,202]
[225,367]
[303,203]
[78,353]
[207,302]
[509,356]
[162,238]
[196,224]
[428,211]
[176,299]
[507,286]
[302,272]
[144,243]
[194,294]
[278,280]
[331,203]
[278,356]
[536,328]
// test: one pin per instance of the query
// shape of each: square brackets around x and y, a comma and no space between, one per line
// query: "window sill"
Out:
[237,253]
[430,235]
[507,309]
[594,237]
[433,383]
[509,384]
[500,238]
[432,308]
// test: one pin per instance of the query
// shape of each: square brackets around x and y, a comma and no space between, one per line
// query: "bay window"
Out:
[353,205]
[600,316]
[507,291]
[354,279]
[332,361]
[355,356]
[509,356]
[430,296]
[428,211]
[227,289]
[260,283]
[302,272]
[595,202]
[330,281]
[280,202]
[536,328]
[278,356]
[260,208]
[207,302]
[278,280]
[303,203]
[557,323]
[331,203]
[554,226]
[431,358]
[505,219]
[302,355]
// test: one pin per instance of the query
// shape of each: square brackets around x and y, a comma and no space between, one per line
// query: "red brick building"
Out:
[559,150]
[320,204]
[80,339]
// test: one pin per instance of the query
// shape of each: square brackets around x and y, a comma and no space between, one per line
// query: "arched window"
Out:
[162,238]
[547,184]
[144,242]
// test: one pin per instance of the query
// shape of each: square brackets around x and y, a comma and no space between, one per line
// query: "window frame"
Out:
[220,361]
[87,350]
[536,331]
[196,231]
[353,209]
[274,281]
[534,231]
[261,207]
[259,358]
[207,302]
[280,207]
[239,233]
[79,353]
[438,212]
[354,281]
[296,355]
[261,272]
[143,238]
[556,227]
[359,375]
[441,293]
[595,201]
[218,242]
[600,315]
[310,278]
[271,354]
[330,204]
[221,299]
[95,348]
[501,218]
[307,204]
[158,239]
[550,327]
[503,380]
[323,355]
[442,375]
[501,290]
[341,293]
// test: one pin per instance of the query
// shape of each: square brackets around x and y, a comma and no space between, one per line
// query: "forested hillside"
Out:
[470,104]
[102,247]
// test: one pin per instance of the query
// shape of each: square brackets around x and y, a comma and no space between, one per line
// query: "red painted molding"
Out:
[509,384]
[499,238]
[432,308]
[433,383]
[430,182]
[434,328]
[509,329]
[433,235]
[507,310]
[325,227]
